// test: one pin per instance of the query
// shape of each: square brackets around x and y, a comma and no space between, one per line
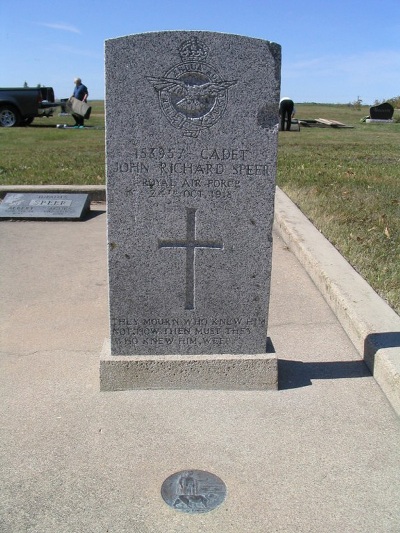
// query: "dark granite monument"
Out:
[381,112]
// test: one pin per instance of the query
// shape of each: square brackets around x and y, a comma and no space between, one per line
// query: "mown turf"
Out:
[346,181]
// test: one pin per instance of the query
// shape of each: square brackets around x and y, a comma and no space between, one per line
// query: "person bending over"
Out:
[286,111]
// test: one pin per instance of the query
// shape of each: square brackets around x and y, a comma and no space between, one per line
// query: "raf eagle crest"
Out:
[192,95]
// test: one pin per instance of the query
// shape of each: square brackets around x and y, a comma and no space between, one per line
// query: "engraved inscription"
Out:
[189,332]
[218,174]
[52,203]
[224,154]
[190,244]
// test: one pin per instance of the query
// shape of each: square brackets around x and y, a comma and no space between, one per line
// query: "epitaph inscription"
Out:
[190,191]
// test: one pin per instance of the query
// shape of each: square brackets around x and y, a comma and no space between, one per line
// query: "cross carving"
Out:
[190,244]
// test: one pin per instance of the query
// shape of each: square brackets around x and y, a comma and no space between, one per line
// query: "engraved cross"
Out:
[190,244]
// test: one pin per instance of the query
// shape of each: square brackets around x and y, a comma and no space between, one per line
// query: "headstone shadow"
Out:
[379,341]
[94,214]
[295,374]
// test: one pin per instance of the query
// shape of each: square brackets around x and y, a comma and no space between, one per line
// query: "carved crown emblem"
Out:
[193,50]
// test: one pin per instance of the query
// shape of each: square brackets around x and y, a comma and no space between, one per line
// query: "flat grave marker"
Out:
[44,206]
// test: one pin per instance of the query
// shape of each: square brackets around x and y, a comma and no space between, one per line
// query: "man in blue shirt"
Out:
[80,93]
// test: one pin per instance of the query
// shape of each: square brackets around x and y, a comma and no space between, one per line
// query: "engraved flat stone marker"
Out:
[193,491]
[44,206]
[191,141]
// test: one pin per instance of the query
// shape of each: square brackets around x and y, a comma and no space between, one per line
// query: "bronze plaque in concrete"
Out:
[193,491]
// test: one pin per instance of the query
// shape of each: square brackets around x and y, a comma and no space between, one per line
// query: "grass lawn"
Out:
[42,154]
[346,181]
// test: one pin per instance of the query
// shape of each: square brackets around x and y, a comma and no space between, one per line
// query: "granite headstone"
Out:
[191,141]
[382,111]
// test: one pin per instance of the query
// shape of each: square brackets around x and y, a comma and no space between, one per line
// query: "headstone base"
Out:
[378,121]
[212,372]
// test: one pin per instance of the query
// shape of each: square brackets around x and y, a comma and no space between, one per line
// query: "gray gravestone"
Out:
[44,206]
[191,130]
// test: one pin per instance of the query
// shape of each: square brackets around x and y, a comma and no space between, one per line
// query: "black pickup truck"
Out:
[20,105]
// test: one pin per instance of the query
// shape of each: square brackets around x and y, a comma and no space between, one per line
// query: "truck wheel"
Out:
[9,116]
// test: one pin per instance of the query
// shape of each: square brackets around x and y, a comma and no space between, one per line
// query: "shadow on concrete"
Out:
[54,126]
[269,347]
[88,216]
[379,341]
[295,374]
[93,214]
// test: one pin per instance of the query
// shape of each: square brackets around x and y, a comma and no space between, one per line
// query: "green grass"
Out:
[346,181]
[42,154]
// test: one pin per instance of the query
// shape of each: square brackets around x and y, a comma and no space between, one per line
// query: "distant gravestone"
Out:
[381,112]
[44,206]
[191,135]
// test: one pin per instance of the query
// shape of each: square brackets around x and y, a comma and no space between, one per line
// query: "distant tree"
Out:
[357,103]
[26,84]
[395,101]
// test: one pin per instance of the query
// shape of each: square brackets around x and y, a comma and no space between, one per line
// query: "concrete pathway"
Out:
[322,454]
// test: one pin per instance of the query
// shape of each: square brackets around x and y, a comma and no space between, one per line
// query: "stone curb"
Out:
[97,193]
[373,327]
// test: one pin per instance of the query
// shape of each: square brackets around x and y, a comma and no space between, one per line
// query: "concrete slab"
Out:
[370,323]
[321,454]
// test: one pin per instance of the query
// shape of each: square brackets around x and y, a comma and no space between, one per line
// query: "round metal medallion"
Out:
[193,491]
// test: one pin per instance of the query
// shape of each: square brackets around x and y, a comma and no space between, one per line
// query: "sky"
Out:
[333,51]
